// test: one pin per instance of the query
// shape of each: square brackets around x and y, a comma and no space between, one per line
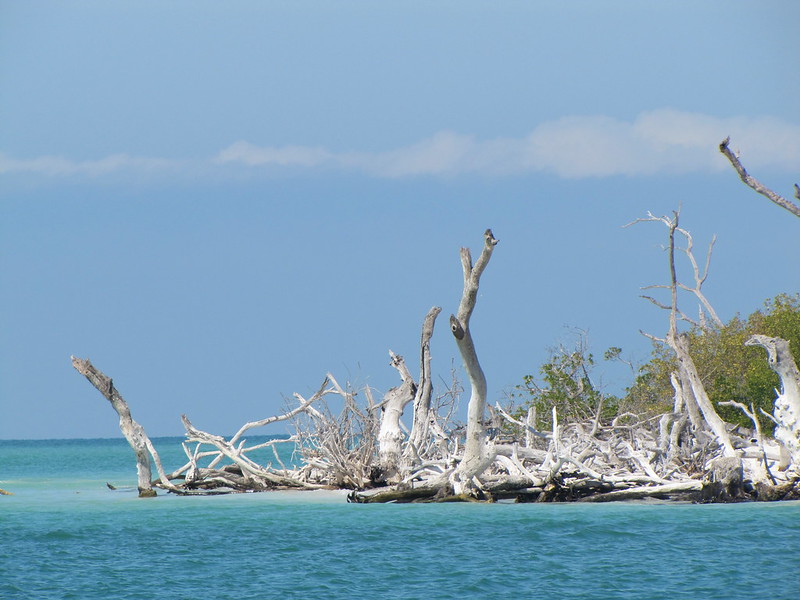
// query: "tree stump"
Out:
[724,481]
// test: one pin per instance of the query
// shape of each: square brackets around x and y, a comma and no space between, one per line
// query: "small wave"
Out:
[59,535]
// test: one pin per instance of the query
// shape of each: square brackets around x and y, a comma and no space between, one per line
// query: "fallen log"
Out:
[666,491]
[393,495]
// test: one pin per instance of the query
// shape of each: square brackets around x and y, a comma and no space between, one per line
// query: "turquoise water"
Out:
[63,534]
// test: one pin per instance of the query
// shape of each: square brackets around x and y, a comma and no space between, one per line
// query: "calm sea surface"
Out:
[64,534]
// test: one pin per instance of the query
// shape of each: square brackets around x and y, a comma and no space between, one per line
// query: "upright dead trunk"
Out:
[390,434]
[477,454]
[690,382]
[787,405]
[132,431]
[691,379]
[422,400]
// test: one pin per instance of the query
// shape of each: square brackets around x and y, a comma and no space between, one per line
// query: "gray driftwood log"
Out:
[132,431]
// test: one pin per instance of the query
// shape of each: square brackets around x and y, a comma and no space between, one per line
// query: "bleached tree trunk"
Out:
[390,434]
[688,374]
[689,385]
[133,432]
[786,412]
[685,401]
[477,451]
[420,429]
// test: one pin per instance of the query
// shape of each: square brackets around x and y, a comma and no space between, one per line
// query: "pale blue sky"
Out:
[218,203]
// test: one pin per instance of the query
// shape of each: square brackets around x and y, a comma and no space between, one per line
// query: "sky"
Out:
[219,203]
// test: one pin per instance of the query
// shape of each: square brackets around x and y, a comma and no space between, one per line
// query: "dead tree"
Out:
[786,413]
[364,445]
[133,432]
[390,434]
[624,458]
[393,453]
[478,453]
[756,185]
[689,386]
[424,419]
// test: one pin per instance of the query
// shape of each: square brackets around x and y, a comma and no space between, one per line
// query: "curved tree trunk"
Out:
[477,453]
[422,399]
[390,434]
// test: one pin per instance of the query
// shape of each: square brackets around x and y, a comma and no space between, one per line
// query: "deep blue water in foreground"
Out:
[63,534]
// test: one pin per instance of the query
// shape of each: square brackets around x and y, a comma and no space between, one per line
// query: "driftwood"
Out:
[478,451]
[423,418]
[132,431]
[390,433]
[786,414]
[345,439]
[689,388]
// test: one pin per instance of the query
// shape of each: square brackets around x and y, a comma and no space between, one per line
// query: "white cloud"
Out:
[444,153]
[59,166]
[662,141]
[287,156]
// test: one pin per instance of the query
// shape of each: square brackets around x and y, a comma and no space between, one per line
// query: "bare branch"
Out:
[303,406]
[756,185]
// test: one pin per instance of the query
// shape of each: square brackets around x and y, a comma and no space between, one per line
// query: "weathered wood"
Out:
[422,418]
[667,490]
[304,404]
[477,454]
[133,432]
[339,449]
[755,184]
[786,412]
[258,476]
[590,460]
[765,492]
[689,387]
[393,495]
[390,434]
[724,481]
[688,373]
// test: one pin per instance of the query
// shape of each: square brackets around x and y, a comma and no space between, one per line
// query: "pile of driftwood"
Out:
[359,443]
[688,453]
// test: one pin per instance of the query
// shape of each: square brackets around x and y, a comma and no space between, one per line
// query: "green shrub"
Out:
[729,369]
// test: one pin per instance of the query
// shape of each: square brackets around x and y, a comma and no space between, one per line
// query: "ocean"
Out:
[65,534]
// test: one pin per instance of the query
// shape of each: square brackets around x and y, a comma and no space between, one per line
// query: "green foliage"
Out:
[565,382]
[729,369]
